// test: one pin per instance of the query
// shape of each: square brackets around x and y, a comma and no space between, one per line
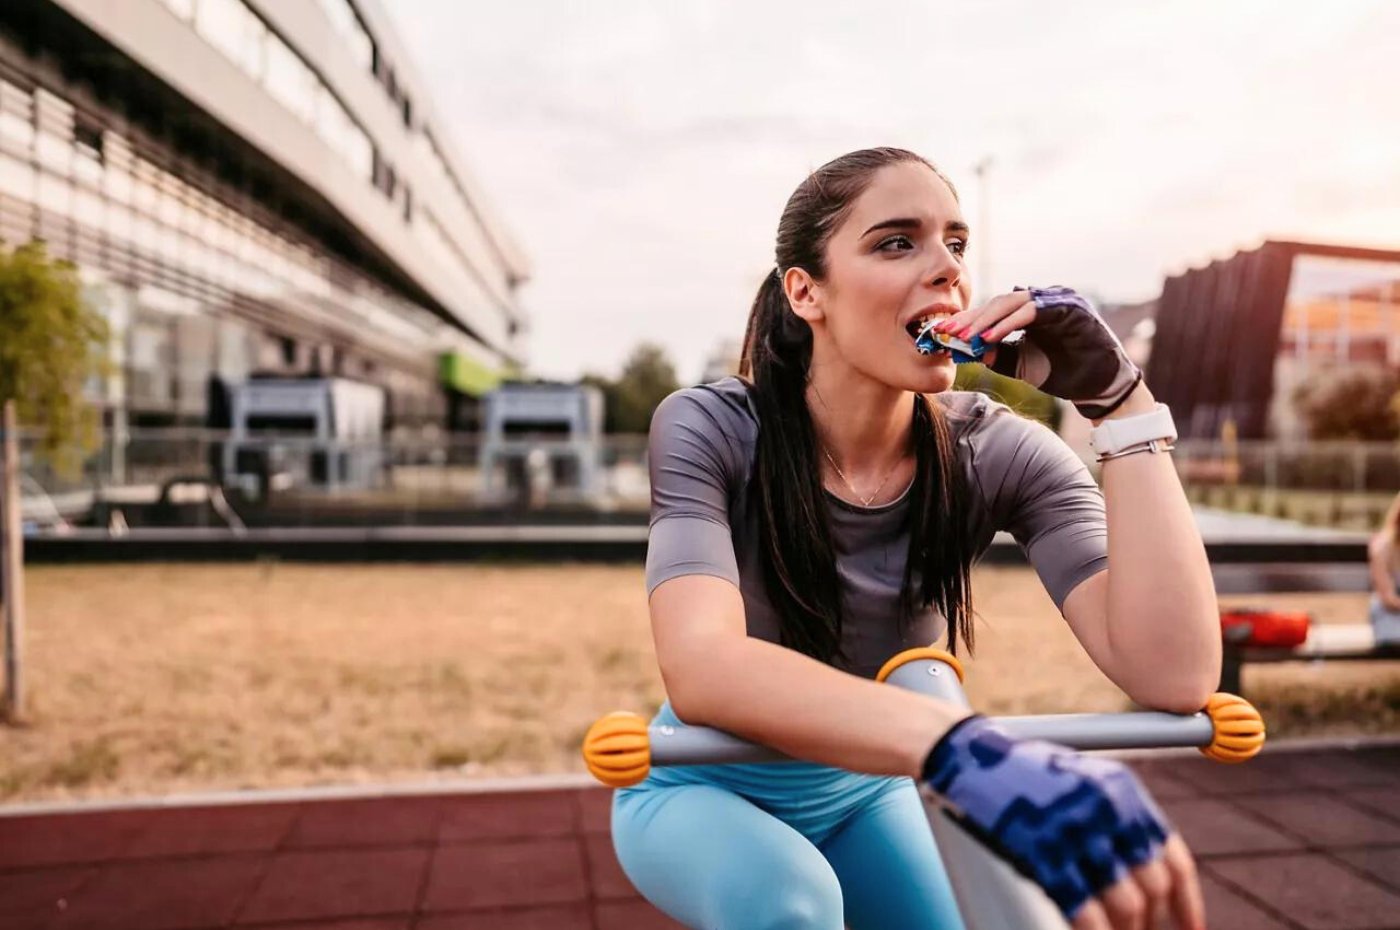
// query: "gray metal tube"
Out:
[1146,730]
[685,745]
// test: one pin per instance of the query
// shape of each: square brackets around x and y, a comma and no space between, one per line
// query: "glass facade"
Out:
[1342,310]
[197,278]
[450,230]
[236,31]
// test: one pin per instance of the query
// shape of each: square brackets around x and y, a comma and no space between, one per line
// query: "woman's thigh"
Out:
[890,871]
[712,860]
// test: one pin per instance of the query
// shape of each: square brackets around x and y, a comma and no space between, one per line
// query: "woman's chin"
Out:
[936,374]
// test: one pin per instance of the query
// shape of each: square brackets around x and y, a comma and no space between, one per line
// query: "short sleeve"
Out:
[693,456]
[1042,494]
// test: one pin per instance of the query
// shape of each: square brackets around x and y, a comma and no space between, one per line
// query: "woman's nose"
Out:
[945,269]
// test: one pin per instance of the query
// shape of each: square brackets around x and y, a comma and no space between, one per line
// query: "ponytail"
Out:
[799,556]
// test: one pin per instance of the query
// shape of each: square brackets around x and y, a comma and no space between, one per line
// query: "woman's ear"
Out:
[804,294]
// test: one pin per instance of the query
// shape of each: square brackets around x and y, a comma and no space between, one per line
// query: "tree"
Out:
[647,378]
[51,343]
[1015,393]
[1355,403]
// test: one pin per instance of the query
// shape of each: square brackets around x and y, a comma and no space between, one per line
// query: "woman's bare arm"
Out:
[1382,559]
[1151,620]
[718,676]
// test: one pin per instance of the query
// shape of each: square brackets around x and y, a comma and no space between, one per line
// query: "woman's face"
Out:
[897,257]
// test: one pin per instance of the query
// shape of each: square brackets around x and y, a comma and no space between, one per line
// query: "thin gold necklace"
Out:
[864,501]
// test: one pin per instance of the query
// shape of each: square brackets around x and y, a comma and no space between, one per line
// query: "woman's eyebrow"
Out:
[909,222]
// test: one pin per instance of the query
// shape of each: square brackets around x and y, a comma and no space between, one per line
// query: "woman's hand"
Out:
[1082,828]
[1066,349]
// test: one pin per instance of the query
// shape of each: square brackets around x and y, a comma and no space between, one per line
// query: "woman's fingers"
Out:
[1125,904]
[979,319]
[1187,903]
[1155,881]
[1149,891]
[1091,917]
[1019,319]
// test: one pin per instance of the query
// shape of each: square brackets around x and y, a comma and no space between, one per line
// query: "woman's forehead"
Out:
[907,189]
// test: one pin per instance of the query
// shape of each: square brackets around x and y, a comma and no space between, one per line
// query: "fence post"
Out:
[11,565]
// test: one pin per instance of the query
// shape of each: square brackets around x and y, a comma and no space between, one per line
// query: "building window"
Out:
[233,29]
[87,137]
[348,25]
[290,80]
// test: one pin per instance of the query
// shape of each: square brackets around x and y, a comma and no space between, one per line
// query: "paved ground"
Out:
[1298,838]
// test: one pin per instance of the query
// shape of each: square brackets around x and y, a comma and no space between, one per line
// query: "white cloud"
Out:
[642,152]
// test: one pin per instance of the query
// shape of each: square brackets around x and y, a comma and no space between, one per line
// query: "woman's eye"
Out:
[905,240]
[958,247]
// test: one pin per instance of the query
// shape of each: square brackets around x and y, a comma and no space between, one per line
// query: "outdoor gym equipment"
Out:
[620,749]
[1291,636]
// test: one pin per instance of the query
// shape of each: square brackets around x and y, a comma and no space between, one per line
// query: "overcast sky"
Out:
[641,151]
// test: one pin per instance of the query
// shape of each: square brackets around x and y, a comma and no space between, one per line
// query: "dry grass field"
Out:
[155,678]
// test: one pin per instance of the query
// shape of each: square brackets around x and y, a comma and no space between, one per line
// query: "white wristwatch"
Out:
[1113,436]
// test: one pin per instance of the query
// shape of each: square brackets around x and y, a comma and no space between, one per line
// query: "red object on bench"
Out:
[1242,626]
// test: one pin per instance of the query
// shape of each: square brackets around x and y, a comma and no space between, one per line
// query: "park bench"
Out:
[1265,636]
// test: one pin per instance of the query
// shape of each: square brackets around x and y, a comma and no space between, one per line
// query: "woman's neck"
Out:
[864,425]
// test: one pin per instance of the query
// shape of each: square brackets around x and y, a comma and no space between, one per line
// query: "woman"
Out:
[1385,577]
[786,563]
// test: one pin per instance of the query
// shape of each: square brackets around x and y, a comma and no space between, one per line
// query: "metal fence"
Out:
[159,476]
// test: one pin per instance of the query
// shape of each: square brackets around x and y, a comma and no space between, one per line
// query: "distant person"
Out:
[1385,576]
[821,511]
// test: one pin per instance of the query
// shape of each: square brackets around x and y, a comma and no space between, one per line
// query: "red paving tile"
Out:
[358,923]
[321,884]
[604,871]
[632,915]
[34,899]
[162,895]
[499,817]
[1339,770]
[1312,891]
[67,839]
[1212,827]
[1293,840]
[1323,821]
[595,810]
[366,822]
[1385,801]
[1228,909]
[204,830]
[1382,864]
[506,874]
[1263,773]
[566,917]
[1158,778]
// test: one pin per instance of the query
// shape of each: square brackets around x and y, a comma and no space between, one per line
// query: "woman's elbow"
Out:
[688,692]
[1183,696]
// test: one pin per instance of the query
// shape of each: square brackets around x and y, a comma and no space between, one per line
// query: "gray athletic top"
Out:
[704,513]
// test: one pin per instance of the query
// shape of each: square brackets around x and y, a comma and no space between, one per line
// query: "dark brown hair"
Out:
[799,558]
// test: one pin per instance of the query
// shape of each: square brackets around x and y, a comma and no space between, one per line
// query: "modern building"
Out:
[254,187]
[1234,340]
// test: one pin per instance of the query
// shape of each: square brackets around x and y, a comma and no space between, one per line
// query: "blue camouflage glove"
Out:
[1072,824]
[1069,352]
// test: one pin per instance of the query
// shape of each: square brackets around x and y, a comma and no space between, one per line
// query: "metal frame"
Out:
[990,893]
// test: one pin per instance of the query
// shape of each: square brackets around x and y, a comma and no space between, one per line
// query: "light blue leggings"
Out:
[789,846]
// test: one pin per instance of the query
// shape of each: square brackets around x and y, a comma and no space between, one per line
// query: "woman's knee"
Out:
[813,905]
[711,862]
[793,892]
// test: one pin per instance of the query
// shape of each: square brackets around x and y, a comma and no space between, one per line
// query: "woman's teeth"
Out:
[922,325]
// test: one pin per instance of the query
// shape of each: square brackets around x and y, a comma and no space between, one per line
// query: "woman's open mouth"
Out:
[926,341]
